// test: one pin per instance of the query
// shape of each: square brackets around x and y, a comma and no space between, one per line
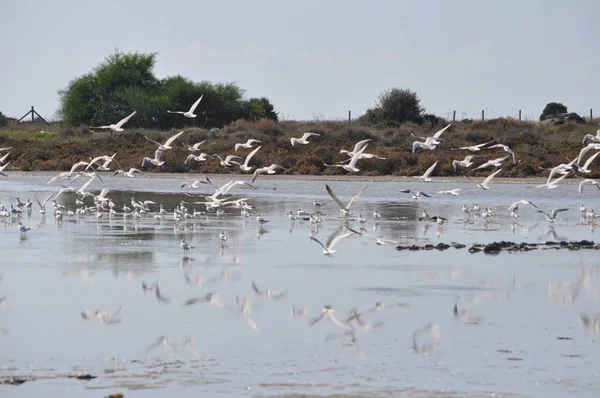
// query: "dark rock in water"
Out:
[82,377]
[15,380]
[497,247]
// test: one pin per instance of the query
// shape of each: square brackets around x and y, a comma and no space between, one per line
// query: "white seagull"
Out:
[190,113]
[488,179]
[507,149]
[591,138]
[244,166]
[272,169]
[466,162]
[228,160]
[586,149]
[344,208]
[352,165]
[584,168]
[118,126]
[472,148]
[167,144]
[425,176]
[492,163]
[333,240]
[552,216]
[586,182]
[196,146]
[521,202]
[247,144]
[157,160]
[303,140]
[357,147]
[200,158]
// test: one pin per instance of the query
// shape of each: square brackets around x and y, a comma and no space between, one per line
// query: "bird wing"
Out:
[158,154]
[228,158]
[585,150]
[581,184]
[250,156]
[151,140]
[197,144]
[253,141]
[426,195]
[256,289]
[556,211]
[337,239]
[439,133]
[429,170]
[318,241]
[78,165]
[590,160]
[195,104]
[306,135]
[354,198]
[170,140]
[123,121]
[103,193]
[87,183]
[339,202]
[490,177]
[360,144]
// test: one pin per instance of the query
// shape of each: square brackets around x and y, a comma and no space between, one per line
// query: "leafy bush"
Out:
[395,105]
[126,82]
[552,108]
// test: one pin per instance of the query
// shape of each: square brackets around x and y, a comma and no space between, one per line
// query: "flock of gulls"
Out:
[83,202]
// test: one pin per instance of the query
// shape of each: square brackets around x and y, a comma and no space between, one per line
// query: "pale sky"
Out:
[318,59]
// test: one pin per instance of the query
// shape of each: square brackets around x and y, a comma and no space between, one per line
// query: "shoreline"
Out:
[307,177]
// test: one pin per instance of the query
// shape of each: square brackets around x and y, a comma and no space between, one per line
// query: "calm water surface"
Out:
[524,324]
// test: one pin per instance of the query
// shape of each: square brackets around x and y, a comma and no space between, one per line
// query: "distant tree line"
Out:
[126,82]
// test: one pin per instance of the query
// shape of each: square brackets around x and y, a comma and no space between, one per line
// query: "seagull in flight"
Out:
[199,158]
[344,208]
[244,166]
[586,149]
[507,149]
[272,169]
[488,179]
[425,176]
[304,139]
[334,239]
[116,127]
[269,294]
[521,202]
[157,160]
[351,167]
[167,144]
[584,168]
[452,192]
[592,138]
[415,194]
[466,162]
[228,160]
[552,216]
[247,144]
[586,182]
[357,147]
[472,148]
[196,146]
[492,163]
[130,173]
[190,113]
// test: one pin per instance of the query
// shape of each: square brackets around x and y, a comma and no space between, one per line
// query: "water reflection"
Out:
[253,297]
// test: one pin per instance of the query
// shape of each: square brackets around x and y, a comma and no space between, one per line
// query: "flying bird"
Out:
[190,113]
[344,208]
[118,126]
[303,140]
[488,179]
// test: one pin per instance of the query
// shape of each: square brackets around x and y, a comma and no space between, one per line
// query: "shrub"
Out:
[397,106]
[552,108]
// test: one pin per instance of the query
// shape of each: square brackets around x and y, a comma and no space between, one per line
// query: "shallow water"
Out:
[523,327]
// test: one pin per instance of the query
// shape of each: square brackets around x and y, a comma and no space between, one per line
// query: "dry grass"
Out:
[535,144]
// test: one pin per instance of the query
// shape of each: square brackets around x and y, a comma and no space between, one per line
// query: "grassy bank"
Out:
[536,146]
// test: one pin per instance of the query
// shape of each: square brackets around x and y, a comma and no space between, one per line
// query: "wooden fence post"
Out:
[591,116]
[482,115]
[519,115]
[453,116]
[349,117]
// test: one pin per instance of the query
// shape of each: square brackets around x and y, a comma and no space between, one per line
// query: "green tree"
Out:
[552,108]
[395,105]
[126,82]
[3,120]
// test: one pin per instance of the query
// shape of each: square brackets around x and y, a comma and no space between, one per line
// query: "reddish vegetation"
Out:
[536,146]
